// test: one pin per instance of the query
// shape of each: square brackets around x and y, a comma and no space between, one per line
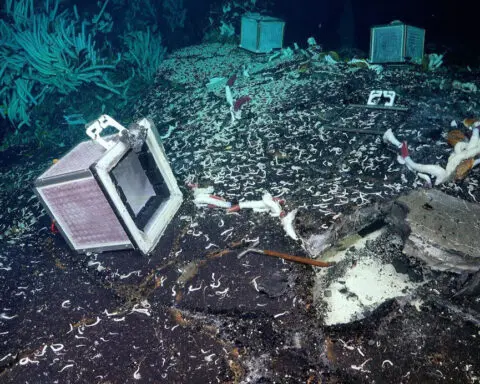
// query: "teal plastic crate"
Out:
[396,43]
[261,34]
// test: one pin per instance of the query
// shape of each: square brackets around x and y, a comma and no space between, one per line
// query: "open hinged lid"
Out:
[140,185]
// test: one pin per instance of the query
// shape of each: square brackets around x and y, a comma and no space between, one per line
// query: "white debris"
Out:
[362,288]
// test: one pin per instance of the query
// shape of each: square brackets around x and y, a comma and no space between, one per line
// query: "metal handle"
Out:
[95,129]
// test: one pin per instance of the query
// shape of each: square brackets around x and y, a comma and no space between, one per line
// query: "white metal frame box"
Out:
[396,43]
[261,34]
[104,195]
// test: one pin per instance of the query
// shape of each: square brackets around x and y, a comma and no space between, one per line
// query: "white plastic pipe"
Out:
[257,204]
[273,206]
[207,199]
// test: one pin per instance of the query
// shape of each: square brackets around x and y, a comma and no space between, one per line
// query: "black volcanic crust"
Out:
[192,312]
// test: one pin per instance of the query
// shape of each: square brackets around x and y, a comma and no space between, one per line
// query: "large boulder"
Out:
[441,230]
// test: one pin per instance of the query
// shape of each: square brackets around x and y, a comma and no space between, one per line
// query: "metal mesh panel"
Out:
[271,35]
[248,39]
[414,44]
[84,214]
[387,46]
[78,159]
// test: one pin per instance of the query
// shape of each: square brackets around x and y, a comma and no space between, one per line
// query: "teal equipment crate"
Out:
[261,34]
[396,43]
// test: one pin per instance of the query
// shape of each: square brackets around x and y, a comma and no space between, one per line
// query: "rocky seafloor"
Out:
[193,311]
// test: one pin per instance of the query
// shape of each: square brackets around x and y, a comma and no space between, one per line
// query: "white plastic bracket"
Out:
[375,97]
[390,95]
[95,129]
